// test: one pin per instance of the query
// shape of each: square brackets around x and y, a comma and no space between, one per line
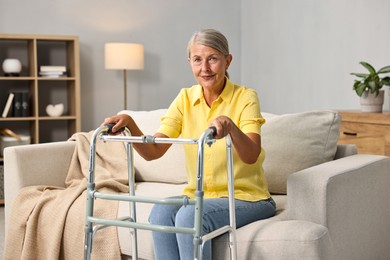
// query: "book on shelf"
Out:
[17,112]
[52,71]
[25,104]
[21,104]
[52,74]
[8,105]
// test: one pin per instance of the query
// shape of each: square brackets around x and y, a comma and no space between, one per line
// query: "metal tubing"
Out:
[92,149]
[130,222]
[88,226]
[215,233]
[97,228]
[142,139]
[132,205]
[198,215]
[142,199]
[232,216]
[232,207]
[147,226]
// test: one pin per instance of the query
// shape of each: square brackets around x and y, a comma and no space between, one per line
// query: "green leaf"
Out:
[360,75]
[373,86]
[368,67]
[384,70]
[359,88]
[356,84]
[386,81]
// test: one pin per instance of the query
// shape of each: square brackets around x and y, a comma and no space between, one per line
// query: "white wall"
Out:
[164,27]
[298,54]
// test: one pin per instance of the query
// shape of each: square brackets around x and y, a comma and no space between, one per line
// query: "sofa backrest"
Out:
[292,142]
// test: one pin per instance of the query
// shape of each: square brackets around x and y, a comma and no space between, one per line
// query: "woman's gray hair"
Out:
[211,38]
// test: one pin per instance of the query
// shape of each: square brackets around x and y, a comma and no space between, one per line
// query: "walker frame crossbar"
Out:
[94,224]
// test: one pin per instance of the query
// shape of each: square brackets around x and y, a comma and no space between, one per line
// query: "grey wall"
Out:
[164,27]
[299,54]
[296,54]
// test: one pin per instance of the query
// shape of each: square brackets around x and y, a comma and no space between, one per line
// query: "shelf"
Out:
[17,78]
[17,118]
[59,78]
[47,118]
[38,118]
[36,78]
[42,50]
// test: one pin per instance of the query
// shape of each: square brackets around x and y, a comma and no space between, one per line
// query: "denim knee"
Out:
[163,215]
[185,216]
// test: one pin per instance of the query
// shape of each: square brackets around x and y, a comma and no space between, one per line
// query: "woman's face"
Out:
[209,66]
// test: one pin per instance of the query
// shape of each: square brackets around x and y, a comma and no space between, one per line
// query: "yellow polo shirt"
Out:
[189,115]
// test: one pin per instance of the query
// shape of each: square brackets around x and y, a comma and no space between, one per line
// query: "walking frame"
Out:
[94,224]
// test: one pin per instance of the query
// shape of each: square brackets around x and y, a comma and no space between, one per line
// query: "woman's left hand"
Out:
[223,124]
[247,146]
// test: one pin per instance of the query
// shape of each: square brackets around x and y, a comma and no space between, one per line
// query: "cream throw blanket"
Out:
[48,222]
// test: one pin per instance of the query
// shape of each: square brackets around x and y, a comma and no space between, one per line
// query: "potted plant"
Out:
[368,87]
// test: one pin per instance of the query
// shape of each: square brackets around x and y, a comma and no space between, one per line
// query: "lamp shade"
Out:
[129,56]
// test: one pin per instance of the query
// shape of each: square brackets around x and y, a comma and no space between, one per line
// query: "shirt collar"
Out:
[226,95]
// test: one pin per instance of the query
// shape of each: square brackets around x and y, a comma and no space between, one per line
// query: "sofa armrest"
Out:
[36,164]
[350,196]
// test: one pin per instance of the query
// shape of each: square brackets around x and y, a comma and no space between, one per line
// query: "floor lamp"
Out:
[124,56]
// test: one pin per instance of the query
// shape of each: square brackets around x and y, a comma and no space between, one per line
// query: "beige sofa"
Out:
[337,204]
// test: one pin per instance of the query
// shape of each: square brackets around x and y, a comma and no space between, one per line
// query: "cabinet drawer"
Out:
[369,138]
[365,145]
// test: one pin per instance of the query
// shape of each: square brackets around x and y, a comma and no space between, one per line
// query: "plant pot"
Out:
[388,94]
[372,103]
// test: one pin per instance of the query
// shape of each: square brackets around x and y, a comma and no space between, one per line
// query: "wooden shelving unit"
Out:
[42,50]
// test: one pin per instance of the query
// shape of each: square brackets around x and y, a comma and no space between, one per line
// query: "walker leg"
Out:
[198,249]
[232,205]
[133,233]
[134,252]
[132,205]
[88,244]
[233,246]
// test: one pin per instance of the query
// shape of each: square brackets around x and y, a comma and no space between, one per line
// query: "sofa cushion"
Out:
[168,169]
[293,142]
[270,239]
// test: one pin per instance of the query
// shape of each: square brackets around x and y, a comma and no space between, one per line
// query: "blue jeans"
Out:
[215,215]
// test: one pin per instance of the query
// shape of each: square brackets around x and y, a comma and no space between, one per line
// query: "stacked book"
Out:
[52,71]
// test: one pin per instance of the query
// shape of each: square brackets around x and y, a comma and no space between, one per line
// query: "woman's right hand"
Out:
[148,152]
[119,122]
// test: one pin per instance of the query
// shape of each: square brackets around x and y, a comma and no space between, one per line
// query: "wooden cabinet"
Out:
[35,51]
[369,131]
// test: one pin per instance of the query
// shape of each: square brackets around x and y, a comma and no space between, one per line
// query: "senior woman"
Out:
[231,109]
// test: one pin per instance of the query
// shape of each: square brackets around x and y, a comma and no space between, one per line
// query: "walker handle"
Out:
[110,126]
[214,129]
